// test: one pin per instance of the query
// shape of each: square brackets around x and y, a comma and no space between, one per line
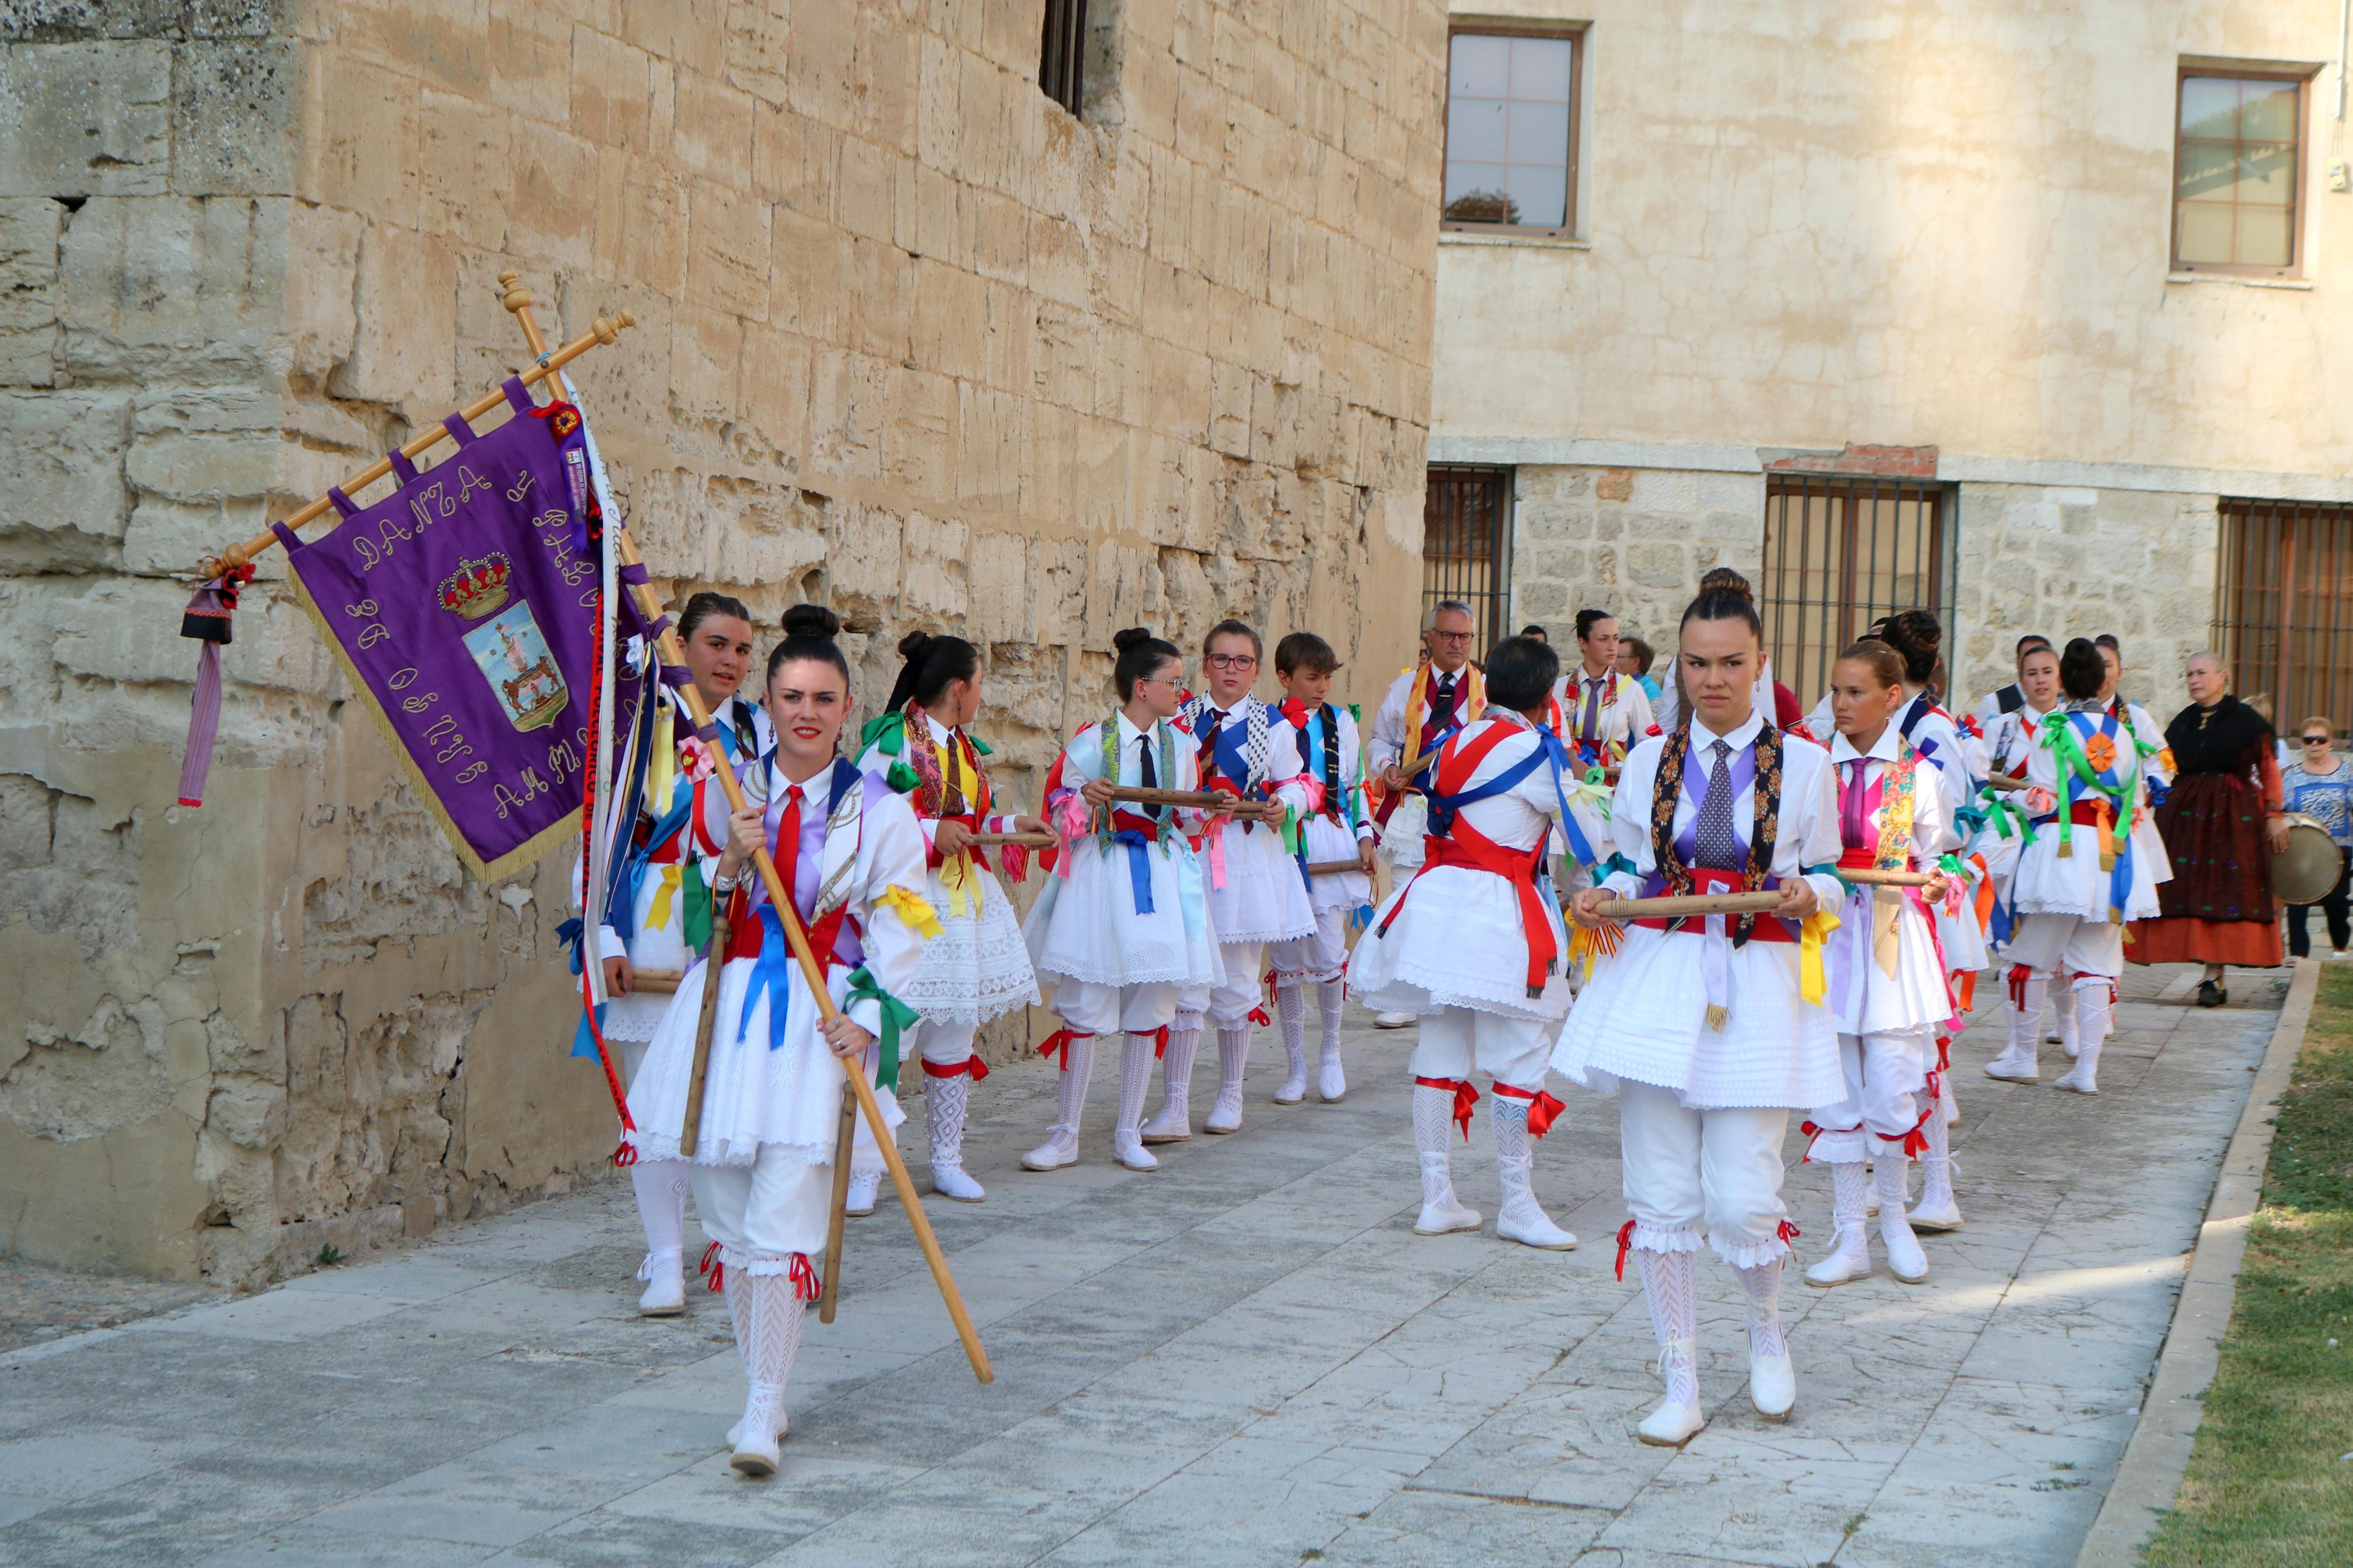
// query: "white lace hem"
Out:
[1748,1254]
[1660,1238]
[715,1152]
[758,1265]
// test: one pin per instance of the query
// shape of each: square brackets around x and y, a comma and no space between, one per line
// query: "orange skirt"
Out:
[2183,939]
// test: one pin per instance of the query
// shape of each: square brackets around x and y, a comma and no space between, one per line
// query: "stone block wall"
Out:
[912,340]
[1633,542]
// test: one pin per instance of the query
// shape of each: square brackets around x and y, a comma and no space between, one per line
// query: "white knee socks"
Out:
[1061,1145]
[2093,1021]
[767,1314]
[1331,997]
[2021,1061]
[1134,1079]
[1172,1123]
[1763,1284]
[1520,1217]
[1433,1124]
[1671,1288]
[1849,1257]
[945,1103]
[661,1186]
[1291,1012]
[1233,1058]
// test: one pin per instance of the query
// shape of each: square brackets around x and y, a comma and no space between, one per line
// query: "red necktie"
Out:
[788,846]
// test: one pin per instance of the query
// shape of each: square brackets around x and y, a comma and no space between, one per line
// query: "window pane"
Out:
[1539,133]
[1474,130]
[2269,112]
[2209,169]
[1479,66]
[1540,68]
[2205,232]
[2210,105]
[2264,238]
[2267,174]
[1540,193]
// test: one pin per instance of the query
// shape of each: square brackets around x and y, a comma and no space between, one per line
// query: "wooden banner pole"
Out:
[1688,904]
[518,301]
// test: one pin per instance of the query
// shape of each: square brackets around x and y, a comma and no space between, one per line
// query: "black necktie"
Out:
[1146,773]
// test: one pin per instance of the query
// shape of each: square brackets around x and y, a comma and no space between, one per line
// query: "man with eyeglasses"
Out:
[1425,707]
[2320,785]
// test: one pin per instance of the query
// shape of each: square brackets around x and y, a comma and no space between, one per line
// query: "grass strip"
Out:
[2271,1477]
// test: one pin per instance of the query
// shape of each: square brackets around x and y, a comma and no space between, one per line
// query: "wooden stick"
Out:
[602,331]
[1197,800]
[2005,785]
[845,1139]
[662,981]
[1688,904]
[518,301]
[1869,877]
[1027,840]
[714,959]
[1334,868]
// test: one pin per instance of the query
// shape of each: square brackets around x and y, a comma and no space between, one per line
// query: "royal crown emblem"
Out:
[477,587]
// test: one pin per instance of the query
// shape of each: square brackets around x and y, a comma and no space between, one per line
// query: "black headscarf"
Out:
[2220,744]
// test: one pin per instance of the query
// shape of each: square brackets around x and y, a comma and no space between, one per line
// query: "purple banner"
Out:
[464,605]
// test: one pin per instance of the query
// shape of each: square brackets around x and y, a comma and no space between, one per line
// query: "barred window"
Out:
[2284,606]
[1062,54]
[1466,548]
[1840,552]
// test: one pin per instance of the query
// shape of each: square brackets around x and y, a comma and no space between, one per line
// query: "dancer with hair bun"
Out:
[1668,711]
[977,968]
[1244,748]
[659,917]
[1123,925]
[849,851]
[1887,984]
[1711,1028]
[1474,944]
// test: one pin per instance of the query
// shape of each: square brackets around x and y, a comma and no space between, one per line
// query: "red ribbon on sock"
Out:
[625,1154]
[1257,1015]
[1466,1098]
[803,1278]
[972,1065]
[1060,1041]
[2019,975]
[1160,1042]
[1625,1241]
[1543,1108]
[1787,1232]
[712,1271]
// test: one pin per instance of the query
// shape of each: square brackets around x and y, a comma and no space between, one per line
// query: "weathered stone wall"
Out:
[1633,542]
[912,340]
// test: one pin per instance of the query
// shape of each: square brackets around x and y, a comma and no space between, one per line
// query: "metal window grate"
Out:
[2284,606]
[1466,547]
[1840,552]
[1062,54]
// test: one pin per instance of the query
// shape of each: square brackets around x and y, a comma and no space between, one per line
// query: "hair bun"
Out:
[1134,637]
[811,621]
[1723,579]
[914,645]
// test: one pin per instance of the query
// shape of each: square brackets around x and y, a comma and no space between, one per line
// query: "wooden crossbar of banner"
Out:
[603,330]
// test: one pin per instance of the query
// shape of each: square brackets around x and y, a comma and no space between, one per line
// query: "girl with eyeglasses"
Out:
[2320,785]
[1123,925]
[1245,748]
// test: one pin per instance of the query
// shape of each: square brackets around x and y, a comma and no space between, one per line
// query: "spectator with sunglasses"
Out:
[2320,785]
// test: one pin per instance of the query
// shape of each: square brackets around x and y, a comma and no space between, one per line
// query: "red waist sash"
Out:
[1708,880]
[1472,850]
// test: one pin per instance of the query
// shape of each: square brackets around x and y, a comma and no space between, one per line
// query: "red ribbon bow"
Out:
[2019,975]
[973,1065]
[1625,1243]
[1160,1042]
[1466,1098]
[803,1278]
[1059,1042]
[1544,1108]
[710,1269]
[625,1154]
[1257,1015]
[1787,1232]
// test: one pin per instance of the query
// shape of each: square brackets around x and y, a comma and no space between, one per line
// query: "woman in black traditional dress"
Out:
[2221,824]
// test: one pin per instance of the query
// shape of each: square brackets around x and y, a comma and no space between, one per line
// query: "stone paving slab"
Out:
[1245,1357]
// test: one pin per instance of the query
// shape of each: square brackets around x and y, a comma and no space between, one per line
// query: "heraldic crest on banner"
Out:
[464,605]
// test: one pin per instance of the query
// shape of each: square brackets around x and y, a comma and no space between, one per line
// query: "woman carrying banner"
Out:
[1123,924]
[1473,942]
[1887,987]
[1242,747]
[1712,1028]
[977,968]
[849,849]
[658,911]
[2080,880]
[1339,830]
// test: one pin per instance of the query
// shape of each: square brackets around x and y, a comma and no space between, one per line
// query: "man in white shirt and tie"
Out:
[1425,705]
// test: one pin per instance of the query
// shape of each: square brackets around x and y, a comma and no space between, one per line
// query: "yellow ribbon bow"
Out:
[672,876]
[912,908]
[1813,980]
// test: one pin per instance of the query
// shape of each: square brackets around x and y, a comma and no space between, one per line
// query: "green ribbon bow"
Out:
[896,1016]
[697,917]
